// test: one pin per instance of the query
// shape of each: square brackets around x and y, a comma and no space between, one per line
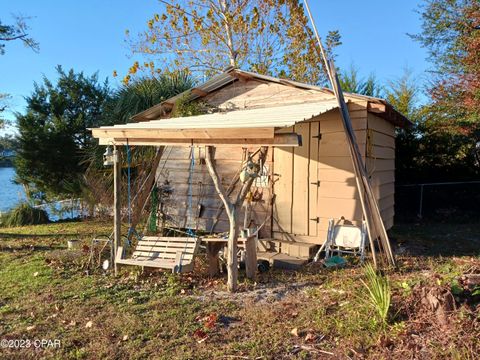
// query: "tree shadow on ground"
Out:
[437,239]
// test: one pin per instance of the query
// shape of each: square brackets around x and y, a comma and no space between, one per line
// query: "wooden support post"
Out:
[212,256]
[251,257]
[117,217]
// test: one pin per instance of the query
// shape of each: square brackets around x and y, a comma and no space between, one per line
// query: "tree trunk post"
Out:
[232,209]
[117,217]
[232,250]
[251,258]
[232,261]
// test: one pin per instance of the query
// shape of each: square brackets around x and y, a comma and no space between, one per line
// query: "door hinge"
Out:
[317,219]
[319,136]
[316,183]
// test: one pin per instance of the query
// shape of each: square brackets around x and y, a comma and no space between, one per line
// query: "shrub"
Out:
[24,214]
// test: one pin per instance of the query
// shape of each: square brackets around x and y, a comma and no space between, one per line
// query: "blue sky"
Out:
[89,36]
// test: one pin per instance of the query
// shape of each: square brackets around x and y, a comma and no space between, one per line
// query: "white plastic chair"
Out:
[346,239]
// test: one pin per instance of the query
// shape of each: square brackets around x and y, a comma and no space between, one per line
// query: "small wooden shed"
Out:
[308,177]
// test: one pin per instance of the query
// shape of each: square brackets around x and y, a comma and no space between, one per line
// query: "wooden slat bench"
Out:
[175,253]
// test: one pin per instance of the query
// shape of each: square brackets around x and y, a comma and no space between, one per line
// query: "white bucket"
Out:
[72,244]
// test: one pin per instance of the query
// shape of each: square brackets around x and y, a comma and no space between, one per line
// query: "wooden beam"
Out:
[279,140]
[185,134]
[376,108]
[117,216]
[251,258]
[199,92]
[241,76]
[213,257]
[387,112]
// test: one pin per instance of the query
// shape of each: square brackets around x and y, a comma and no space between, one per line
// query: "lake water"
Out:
[10,194]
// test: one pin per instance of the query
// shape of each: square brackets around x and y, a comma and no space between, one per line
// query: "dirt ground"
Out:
[53,304]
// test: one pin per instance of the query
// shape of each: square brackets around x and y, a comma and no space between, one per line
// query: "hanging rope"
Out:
[131,230]
[189,231]
[190,191]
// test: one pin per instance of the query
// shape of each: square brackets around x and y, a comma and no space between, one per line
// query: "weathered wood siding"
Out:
[244,95]
[380,164]
[174,173]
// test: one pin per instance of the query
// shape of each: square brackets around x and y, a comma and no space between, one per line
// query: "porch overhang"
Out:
[262,126]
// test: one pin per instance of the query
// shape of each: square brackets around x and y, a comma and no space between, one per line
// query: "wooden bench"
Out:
[175,253]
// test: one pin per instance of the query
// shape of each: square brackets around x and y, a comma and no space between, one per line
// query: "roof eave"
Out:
[232,74]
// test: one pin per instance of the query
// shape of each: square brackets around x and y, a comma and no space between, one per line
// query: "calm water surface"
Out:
[10,194]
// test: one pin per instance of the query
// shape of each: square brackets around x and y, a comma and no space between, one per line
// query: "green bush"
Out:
[24,214]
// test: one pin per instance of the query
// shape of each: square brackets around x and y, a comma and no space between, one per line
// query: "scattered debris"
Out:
[294,332]
[200,335]
[311,336]
[440,301]
[298,348]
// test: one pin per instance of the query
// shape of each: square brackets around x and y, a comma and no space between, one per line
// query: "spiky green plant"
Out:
[146,92]
[379,292]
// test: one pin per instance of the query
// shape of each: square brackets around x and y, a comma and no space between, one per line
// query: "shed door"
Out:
[296,188]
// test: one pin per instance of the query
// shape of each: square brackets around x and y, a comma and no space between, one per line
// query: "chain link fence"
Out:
[443,201]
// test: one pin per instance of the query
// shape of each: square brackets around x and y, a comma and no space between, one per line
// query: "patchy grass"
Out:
[46,292]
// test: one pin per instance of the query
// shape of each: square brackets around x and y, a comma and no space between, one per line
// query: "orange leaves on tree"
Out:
[201,35]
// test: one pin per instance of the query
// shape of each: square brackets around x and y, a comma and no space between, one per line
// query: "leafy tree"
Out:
[451,122]
[127,101]
[16,31]
[425,152]
[451,34]
[53,135]
[351,82]
[8,142]
[3,106]
[403,94]
[268,37]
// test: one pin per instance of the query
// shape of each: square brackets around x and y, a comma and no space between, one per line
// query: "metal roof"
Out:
[276,117]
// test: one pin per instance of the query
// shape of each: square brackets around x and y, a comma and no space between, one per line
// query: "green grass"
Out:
[45,293]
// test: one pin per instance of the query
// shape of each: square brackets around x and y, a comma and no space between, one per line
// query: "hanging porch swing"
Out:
[173,253]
